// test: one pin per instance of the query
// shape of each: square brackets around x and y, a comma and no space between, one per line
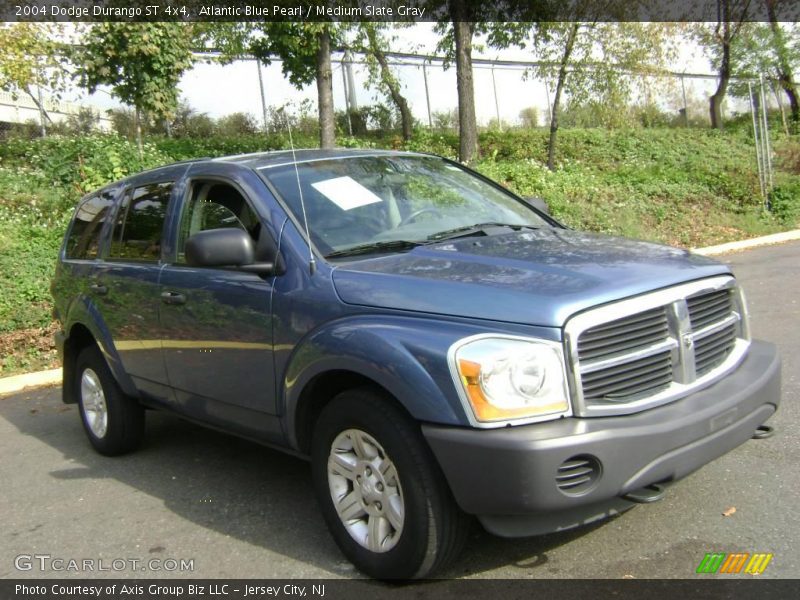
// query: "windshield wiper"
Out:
[470,229]
[387,246]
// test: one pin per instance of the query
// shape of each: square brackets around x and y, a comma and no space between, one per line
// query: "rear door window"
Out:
[83,242]
[140,223]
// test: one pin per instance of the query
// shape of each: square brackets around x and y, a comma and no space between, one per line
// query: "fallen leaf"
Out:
[729,511]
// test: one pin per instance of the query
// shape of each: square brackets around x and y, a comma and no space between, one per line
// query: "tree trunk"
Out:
[327,137]
[391,83]
[467,124]
[562,77]
[715,102]
[785,75]
[39,105]
[138,123]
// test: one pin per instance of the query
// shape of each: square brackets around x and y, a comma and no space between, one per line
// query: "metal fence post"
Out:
[427,94]
[263,97]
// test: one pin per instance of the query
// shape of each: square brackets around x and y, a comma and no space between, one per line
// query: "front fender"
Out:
[406,356]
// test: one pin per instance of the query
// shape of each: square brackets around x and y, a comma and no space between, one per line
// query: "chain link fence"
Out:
[244,96]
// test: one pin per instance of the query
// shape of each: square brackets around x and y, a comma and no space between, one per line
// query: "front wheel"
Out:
[114,422]
[381,492]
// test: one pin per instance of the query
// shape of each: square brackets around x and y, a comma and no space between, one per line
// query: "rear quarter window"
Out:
[83,240]
[140,223]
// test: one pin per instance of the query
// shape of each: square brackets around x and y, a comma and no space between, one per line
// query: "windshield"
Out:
[355,201]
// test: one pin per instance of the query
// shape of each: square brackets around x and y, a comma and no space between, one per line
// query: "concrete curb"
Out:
[776,238]
[17,383]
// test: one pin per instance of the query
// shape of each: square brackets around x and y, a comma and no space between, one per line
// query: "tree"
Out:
[584,58]
[303,47]
[529,117]
[369,39]
[141,62]
[456,42]
[784,55]
[305,51]
[719,41]
[31,58]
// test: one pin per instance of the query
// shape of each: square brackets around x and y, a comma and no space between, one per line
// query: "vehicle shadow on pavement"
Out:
[239,489]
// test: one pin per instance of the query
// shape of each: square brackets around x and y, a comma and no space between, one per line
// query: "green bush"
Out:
[784,201]
[86,163]
[681,186]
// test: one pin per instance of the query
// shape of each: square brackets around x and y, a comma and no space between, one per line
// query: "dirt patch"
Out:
[27,350]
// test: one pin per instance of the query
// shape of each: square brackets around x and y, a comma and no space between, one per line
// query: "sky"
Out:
[218,90]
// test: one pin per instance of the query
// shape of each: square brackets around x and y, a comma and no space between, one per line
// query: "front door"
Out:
[216,324]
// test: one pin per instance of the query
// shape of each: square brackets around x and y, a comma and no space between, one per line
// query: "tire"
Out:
[113,421]
[369,457]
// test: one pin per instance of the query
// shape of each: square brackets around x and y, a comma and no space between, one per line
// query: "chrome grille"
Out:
[624,335]
[619,382]
[705,309]
[712,350]
[653,349]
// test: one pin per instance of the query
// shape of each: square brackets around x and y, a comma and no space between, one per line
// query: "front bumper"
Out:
[508,476]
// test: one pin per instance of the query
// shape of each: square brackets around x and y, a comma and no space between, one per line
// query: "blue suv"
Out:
[439,348]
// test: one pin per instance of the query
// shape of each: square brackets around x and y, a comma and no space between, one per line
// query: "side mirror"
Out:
[227,247]
[538,203]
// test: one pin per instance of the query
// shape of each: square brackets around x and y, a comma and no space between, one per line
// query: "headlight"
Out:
[510,379]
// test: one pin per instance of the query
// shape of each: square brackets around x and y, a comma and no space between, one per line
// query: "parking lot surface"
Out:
[236,509]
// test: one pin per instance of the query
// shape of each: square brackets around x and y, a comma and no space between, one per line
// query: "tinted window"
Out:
[84,236]
[140,223]
[215,205]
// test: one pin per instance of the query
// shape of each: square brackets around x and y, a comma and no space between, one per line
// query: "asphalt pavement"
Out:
[235,509]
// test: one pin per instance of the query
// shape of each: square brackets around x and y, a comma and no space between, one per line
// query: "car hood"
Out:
[538,277]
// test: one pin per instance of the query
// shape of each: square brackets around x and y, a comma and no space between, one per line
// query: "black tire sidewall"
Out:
[402,443]
[125,418]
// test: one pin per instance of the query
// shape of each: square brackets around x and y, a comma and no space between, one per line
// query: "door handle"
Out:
[173,298]
[99,289]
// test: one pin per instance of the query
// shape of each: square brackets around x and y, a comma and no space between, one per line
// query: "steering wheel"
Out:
[413,216]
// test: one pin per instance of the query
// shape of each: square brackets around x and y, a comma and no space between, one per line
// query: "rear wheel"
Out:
[114,422]
[382,495]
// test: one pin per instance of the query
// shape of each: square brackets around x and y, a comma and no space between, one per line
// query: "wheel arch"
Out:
[404,359]
[80,334]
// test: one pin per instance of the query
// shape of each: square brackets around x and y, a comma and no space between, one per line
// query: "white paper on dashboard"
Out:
[345,192]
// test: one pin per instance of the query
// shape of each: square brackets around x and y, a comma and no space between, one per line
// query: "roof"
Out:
[266,160]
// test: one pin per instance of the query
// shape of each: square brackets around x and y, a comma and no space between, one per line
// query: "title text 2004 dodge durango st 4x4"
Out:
[437,346]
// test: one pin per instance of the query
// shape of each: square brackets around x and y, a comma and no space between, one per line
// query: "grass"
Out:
[685,187]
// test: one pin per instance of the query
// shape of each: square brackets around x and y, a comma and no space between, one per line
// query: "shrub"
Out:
[784,200]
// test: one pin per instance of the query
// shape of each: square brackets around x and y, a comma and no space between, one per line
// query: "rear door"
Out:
[217,323]
[125,284]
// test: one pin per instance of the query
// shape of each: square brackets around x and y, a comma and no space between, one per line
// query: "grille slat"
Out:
[624,335]
[577,475]
[574,484]
[574,474]
[651,382]
[629,378]
[709,308]
[712,350]
[625,371]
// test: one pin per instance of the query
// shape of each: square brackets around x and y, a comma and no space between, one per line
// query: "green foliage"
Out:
[30,57]
[83,164]
[681,186]
[785,201]
[529,117]
[142,62]
[237,123]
